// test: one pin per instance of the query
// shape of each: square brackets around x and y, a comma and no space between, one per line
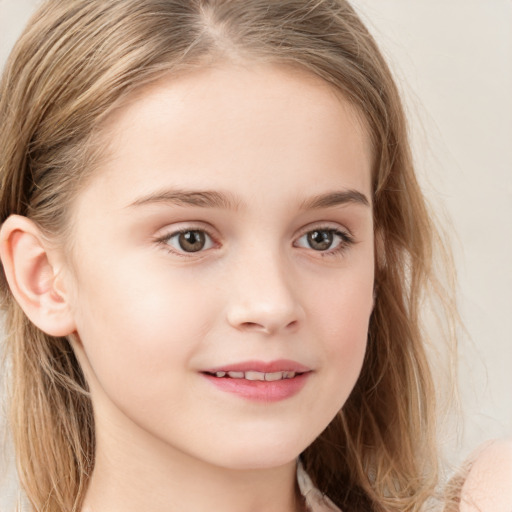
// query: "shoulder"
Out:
[488,485]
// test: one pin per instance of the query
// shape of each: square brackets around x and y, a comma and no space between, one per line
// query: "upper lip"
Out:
[281,365]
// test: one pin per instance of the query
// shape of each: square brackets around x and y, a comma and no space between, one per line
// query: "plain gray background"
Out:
[453,60]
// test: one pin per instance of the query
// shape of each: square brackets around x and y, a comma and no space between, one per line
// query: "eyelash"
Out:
[164,241]
[345,241]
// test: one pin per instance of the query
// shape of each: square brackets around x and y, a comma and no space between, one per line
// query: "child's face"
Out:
[231,229]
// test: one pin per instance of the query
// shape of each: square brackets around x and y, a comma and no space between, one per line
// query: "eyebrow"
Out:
[215,199]
[201,198]
[337,198]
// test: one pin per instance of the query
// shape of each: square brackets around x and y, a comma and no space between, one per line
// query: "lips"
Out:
[281,365]
[260,381]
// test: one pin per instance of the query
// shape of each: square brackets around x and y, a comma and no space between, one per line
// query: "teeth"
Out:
[274,376]
[253,375]
[236,375]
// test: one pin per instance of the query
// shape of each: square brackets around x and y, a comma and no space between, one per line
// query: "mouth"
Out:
[253,375]
[260,381]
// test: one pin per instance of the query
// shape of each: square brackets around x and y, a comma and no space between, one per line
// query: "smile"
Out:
[253,375]
[260,381]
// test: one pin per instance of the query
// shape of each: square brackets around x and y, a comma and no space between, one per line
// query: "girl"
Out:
[214,252]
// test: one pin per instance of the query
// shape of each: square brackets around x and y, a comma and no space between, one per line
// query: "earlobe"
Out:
[33,279]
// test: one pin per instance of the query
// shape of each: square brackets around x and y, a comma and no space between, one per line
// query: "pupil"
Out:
[320,240]
[192,241]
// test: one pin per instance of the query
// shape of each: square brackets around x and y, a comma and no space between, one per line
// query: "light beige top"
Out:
[487,488]
[315,500]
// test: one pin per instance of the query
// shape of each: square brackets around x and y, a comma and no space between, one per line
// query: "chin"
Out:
[262,453]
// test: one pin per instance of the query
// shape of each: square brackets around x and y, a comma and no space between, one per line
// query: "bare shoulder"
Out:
[488,486]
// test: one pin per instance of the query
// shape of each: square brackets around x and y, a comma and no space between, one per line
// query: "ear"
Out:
[34,276]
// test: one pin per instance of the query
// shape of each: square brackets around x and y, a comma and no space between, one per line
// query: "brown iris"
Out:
[320,240]
[192,241]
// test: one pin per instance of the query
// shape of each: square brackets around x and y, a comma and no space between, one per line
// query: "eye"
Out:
[190,240]
[323,240]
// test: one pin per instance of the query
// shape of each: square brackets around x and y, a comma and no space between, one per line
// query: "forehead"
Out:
[231,125]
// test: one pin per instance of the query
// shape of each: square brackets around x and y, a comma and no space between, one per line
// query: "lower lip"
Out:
[258,390]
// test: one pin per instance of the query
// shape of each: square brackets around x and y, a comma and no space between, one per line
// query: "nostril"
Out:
[255,326]
[252,326]
[292,324]
[265,317]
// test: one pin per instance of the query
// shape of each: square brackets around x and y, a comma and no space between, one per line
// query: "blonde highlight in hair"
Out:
[74,64]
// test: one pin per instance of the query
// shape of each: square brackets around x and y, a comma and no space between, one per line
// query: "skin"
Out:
[488,485]
[146,317]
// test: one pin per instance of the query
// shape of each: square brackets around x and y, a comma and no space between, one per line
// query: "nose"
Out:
[263,297]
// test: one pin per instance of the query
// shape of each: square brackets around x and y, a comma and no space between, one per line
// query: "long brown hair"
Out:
[75,62]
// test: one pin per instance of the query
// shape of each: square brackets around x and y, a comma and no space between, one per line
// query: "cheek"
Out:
[342,316]
[140,329]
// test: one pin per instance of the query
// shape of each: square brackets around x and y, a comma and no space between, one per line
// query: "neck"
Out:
[134,472]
